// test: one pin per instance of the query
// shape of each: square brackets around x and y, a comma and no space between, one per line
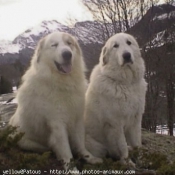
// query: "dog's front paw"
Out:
[94,160]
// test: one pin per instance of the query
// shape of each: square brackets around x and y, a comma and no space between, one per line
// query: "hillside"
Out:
[156,20]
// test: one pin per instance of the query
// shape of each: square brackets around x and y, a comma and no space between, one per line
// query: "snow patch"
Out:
[165,16]
[13,101]
[31,36]
[9,47]
[14,89]
[161,39]
[163,129]
[43,28]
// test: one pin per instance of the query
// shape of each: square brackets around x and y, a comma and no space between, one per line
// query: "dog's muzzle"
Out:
[66,66]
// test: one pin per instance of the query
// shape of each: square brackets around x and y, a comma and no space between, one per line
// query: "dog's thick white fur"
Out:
[51,100]
[115,99]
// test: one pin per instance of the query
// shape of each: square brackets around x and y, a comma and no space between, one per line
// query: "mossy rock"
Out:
[11,156]
[148,160]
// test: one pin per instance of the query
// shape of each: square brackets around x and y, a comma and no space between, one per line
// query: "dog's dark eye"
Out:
[128,42]
[54,45]
[69,43]
[116,45]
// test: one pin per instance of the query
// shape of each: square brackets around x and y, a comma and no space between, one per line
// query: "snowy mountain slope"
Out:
[164,16]
[31,36]
[166,33]
[88,32]
[82,31]
[153,25]
[23,45]
[157,19]
[161,39]
[9,47]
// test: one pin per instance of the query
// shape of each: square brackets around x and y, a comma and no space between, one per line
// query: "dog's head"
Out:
[58,50]
[121,58]
[121,47]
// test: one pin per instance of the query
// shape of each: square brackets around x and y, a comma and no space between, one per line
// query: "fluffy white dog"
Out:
[115,99]
[51,100]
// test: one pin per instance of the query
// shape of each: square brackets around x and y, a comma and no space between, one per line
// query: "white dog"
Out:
[51,100]
[115,99]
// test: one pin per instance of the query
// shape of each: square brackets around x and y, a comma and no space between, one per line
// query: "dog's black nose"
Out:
[127,57]
[67,55]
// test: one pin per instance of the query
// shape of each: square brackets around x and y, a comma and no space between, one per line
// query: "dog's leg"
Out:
[116,143]
[96,148]
[78,144]
[28,144]
[133,133]
[59,142]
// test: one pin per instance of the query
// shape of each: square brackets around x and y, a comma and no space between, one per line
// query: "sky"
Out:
[18,15]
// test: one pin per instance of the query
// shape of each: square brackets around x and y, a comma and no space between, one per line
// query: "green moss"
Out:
[167,169]
[108,164]
[13,157]
[9,138]
[153,161]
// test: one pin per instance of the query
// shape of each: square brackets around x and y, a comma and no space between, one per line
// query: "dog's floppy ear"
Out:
[39,48]
[104,57]
[77,47]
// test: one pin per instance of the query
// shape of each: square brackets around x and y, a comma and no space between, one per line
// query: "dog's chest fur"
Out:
[126,100]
